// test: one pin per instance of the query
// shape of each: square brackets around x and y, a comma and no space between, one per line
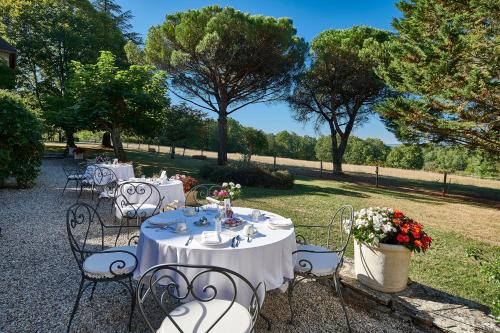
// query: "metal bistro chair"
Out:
[105,182]
[323,263]
[88,179]
[191,305]
[135,200]
[196,197]
[96,262]
[74,173]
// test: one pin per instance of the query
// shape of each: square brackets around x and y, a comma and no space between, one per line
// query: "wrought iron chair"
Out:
[135,200]
[96,262]
[88,179]
[74,173]
[189,302]
[197,196]
[105,182]
[323,263]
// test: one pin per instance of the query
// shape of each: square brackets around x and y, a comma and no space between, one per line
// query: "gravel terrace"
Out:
[39,277]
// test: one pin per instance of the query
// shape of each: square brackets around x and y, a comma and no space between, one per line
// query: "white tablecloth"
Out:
[123,171]
[171,191]
[267,258]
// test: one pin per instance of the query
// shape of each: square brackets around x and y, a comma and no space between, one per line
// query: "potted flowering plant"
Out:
[188,182]
[228,191]
[78,153]
[384,240]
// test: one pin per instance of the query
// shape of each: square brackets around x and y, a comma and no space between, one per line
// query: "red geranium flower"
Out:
[398,214]
[402,238]
[405,227]
[417,243]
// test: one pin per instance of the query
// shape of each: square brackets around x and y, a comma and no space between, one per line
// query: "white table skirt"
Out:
[267,258]
[123,171]
[171,191]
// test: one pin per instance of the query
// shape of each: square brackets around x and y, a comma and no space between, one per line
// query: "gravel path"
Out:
[39,276]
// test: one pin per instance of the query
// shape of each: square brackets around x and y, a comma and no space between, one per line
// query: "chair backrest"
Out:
[133,197]
[104,179]
[85,231]
[164,286]
[74,169]
[339,229]
[197,195]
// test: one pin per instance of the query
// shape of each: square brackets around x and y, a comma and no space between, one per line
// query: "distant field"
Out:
[390,177]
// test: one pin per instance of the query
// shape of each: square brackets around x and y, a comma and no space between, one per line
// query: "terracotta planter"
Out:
[191,198]
[383,268]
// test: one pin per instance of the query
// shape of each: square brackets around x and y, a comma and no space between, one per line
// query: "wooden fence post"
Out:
[274,163]
[158,148]
[444,183]
[321,168]
[376,176]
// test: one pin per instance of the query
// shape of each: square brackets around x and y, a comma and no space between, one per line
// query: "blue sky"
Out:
[310,17]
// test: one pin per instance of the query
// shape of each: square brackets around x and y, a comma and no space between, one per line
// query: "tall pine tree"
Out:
[445,63]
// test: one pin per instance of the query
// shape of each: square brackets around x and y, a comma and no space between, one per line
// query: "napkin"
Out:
[210,237]
[163,174]
[281,223]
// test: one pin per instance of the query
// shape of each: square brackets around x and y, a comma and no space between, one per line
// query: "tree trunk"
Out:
[222,133]
[117,144]
[106,140]
[249,156]
[172,150]
[336,153]
[70,138]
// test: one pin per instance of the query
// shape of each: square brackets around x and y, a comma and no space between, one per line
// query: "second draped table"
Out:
[266,258]
[123,171]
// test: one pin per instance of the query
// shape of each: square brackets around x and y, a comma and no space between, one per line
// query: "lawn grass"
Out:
[457,227]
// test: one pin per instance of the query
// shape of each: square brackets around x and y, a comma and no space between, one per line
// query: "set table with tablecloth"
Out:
[265,257]
[123,171]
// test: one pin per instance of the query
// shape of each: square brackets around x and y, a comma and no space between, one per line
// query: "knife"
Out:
[189,240]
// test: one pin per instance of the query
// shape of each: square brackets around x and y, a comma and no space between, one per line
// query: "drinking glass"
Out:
[255,215]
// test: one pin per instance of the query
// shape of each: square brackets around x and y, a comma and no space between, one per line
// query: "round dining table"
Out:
[265,258]
[123,171]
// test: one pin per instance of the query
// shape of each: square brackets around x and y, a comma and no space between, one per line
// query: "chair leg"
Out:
[93,289]
[339,293]
[132,305]
[291,286]
[119,232]
[78,296]
[64,189]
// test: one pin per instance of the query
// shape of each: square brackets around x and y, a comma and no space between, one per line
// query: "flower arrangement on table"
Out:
[376,225]
[228,191]
[102,158]
[188,182]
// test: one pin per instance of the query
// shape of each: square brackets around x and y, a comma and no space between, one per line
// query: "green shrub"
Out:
[248,174]
[21,147]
